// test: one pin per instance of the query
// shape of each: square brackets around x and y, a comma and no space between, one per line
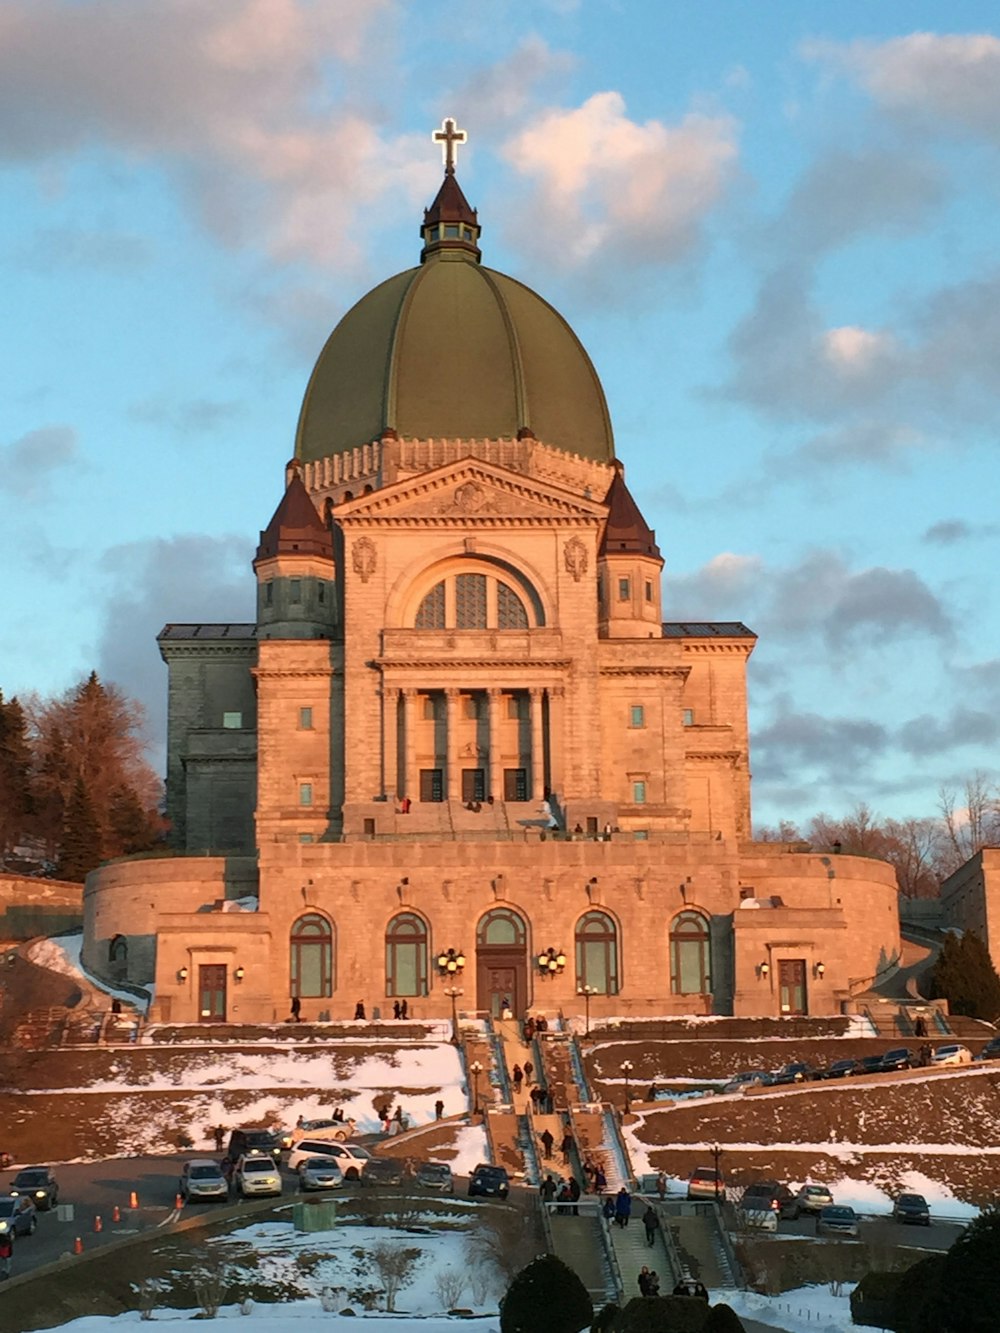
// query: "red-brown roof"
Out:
[296,527]
[626,530]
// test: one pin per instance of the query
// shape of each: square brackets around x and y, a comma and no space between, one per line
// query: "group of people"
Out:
[531,1026]
[565,1193]
[618,1207]
[566,1146]
[519,1075]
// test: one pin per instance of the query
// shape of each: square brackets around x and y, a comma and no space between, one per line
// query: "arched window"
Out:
[406,955]
[510,609]
[470,601]
[690,955]
[502,926]
[311,961]
[430,613]
[597,953]
[118,949]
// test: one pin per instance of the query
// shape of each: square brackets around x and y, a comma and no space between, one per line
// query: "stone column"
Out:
[390,742]
[452,775]
[537,748]
[494,774]
[556,752]
[411,780]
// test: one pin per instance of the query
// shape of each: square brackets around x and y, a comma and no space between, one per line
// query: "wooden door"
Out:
[212,992]
[792,985]
[502,976]
[515,784]
[473,784]
[431,784]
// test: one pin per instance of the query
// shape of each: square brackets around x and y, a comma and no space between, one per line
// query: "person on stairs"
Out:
[517,1074]
[651,1221]
[547,1142]
[623,1207]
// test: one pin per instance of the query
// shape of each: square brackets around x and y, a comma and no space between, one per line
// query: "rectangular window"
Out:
[624,590]
[637,713]
[471,705]
[639,793]
[295,590]
[268,594]
[649,590]
[640,834]
[232,721]
[305,793]
[305,719]
[689,717]
[321,593]
[430,708]
[516,706]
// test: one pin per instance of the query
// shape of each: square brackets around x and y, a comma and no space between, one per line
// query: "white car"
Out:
[202,1179]
[350,1157]
[759,1219]
[953,1054]
[256,1175]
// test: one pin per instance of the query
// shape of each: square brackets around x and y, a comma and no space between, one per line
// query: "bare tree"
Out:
[971,819]
[506,1243]
[449,1285]
[395,1266]
[914,848]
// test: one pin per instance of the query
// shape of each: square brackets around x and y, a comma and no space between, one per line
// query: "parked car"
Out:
[952,1054]
[38,1184]
[435,1176]
[384,1171]
[319,1173]
[837,1220]
[705,1182]
[991,1051]
[842,1068]
[770,1194]
[755,1210]
[331,1127]
[900,1057]
[813,1198]
[350,1157]
[253,1140]
[202,1179]
[489,1182]
[750,1078]
[798,1071]
[17,1216]
[911,1208]
[870,1064]
[256,1175]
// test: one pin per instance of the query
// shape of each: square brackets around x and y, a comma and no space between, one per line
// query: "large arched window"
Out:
[597,953]
[469,600]
[406,955]
[690,955]
[500,927]
[311,965]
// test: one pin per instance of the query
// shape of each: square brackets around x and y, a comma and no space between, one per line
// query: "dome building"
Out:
[460,726]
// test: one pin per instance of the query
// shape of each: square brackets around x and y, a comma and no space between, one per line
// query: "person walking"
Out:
[219,1134]
[574,1194]
[566,1147]
[518,1076]
[547,1189]
[438,1109]
[623,1207]
[529,1069]
[359,1011]
[600,1179]
[651,1221]
[608,1210]
[661,1186]
[547,1142]
[654,1285]
[644,1280]
[296,1008]
[404,1010]
[6,1254]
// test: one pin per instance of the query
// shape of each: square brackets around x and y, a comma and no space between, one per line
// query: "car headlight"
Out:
[3,1226]
[39,1194]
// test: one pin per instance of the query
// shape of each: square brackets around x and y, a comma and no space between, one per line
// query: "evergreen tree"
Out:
[546,1297]
[16,794]
[964,975]
[723,1319]
[81,848]
[969,1280]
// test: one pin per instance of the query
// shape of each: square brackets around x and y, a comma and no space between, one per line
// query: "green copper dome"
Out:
[453,350]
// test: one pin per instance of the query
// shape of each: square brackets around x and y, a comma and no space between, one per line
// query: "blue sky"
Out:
[772,224]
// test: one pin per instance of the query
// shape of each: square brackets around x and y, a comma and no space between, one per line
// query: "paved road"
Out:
[940,1235]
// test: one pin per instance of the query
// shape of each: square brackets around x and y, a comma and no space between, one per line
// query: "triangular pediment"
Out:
[471,491]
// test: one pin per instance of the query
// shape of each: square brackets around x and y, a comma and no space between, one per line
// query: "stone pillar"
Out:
[557,776]
[452,775]
[537,748]
[390,742]
[494,773]
[411,779]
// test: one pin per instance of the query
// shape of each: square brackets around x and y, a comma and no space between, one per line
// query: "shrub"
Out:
[546,1297]
[872,1299]
[654,1314]
[723,1319]
[916,1304]
[968,1282]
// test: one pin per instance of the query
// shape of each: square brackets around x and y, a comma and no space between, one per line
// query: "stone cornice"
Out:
[525,667]
[297,673]
[731,756]
[680,672]
[207,647]
[380,522]
[742,647]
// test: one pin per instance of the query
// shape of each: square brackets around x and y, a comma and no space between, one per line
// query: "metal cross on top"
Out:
[449,136]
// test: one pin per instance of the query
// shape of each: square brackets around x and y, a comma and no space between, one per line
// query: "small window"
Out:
[517,706]
[305,837]
[305,793]
[471,706]
[232,721]
[305,719]
[624,590]
[640,834]
[639,793]
[689,717]
[268,594]
[451,231]
[430,708]
[321,593]
[637,713]
[295,590]
[649,590]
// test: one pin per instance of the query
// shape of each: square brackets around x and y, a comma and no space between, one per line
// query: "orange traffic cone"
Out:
[98,1224]
[133,1200]
[78,1246]
[116,1214]
[178,1202]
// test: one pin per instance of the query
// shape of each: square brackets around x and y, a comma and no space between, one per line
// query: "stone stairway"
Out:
[632,1252]
[579,1243]
[698,1247]
[592,1133]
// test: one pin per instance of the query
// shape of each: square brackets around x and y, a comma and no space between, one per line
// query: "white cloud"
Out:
[602,184]
[852,349]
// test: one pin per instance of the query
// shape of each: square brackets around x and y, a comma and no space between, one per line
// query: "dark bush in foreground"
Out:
[546,1297]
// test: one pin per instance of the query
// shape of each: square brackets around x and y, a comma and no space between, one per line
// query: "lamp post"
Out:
[453,992]
[587,992]
[717,1158]
[475,1069]
[627,1067]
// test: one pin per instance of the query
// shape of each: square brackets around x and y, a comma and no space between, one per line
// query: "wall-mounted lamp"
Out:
[819,970]
[591,886]
[239,973]
[551,961]
[451,961]
[182,974]
[764,969]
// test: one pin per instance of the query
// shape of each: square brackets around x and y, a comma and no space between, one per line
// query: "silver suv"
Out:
[257,1175]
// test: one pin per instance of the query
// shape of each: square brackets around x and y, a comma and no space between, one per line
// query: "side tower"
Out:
[629,566]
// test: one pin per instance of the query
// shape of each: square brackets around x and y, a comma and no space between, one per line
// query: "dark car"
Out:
[795,1072]
[991,1051]
[764,1194]
[252,1141]
[841,1069]
[837,1220]
[384,1171]
[17,1216]
[870,1064]
[900,1057]
[38,1184]
[489,1182]
[435,1176]
[911,1208]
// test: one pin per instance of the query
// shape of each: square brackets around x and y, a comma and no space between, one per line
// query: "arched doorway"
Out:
[502,962]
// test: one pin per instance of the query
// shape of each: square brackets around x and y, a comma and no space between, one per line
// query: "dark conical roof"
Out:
[626,531]
[296,528]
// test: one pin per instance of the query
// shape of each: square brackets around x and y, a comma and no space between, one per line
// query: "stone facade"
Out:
[970,899]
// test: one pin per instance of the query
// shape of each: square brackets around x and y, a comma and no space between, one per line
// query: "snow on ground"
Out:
[803,1310]
[301,1317]
[61,953]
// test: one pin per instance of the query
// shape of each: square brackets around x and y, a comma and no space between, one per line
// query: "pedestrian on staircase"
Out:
[651,1221]
[623,1207]
[567,1147]
[547,1189]
[574,1194]
[661,1185]
[518,1076]
[529,1069]
[644,1276]
[608,1211]
[600,1179]
[547,1142]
